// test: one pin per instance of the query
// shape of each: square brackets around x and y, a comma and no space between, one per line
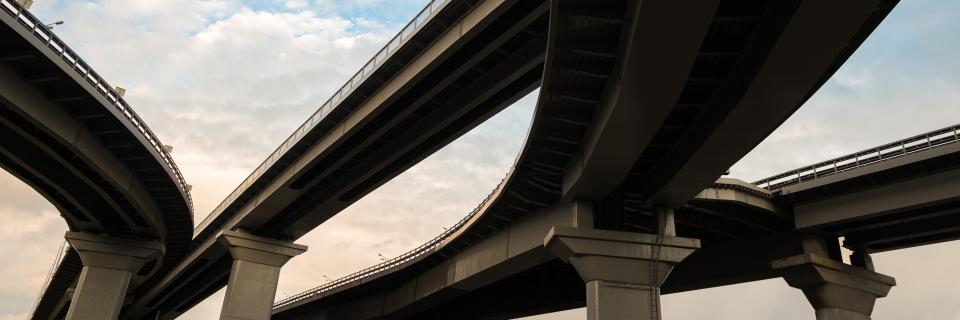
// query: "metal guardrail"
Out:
[885,152]
[44,34]
[423,249]
[358,78]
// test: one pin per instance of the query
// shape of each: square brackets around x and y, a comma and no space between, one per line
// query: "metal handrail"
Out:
[44,34]
[423,249]
[332,103]
[64,248]
[885,152]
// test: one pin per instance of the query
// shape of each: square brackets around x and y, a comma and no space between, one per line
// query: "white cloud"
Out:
[853,78]
[19,316]
[31,230]
[295,4]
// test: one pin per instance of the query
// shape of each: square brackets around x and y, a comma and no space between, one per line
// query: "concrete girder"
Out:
[808,49]
[652,68]
[364,178]
[54,122]
[932,188]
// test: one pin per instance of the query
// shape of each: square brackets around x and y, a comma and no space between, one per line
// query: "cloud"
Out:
[29,238]
[295,4]
[23,315]
[853,78]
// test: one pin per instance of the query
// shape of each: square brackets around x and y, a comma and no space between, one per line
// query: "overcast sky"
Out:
[225,81]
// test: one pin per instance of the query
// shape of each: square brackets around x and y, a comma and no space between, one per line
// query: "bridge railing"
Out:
[64,248]
[885,152]
[327,107]
[45,35]
[428,247]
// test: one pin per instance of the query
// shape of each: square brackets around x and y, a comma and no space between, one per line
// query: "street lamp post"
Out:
[56,23]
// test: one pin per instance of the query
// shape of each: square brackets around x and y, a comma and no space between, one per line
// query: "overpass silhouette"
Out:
[642,108]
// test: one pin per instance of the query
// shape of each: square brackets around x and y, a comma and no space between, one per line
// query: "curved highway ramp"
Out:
[71,137]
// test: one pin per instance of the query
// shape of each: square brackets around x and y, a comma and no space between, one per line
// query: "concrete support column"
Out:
[836,290]
[623,271]
[254,275]
[108,265]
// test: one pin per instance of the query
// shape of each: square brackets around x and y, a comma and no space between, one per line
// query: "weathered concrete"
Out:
[108,264]
[836,290]
[623,271]
[254,275]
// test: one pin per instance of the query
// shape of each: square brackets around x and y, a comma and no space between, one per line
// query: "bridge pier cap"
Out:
[620,268]
[108,265]
[836,291]
[254,275]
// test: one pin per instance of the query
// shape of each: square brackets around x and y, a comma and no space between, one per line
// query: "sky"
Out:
[226,81]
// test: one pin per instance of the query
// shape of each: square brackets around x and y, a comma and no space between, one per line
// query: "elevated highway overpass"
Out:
[642,107]
[912,196]
[66,132]
[689,86]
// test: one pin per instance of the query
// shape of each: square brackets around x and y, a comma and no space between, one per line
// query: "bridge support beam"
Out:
[623,271]
[108,265]
[254,275]
[836,290]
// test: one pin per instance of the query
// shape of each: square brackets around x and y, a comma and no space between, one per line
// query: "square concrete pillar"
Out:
[836,290]
[108,265]
[623,271]
[254,274]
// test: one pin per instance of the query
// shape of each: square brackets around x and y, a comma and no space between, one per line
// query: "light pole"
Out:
[56,23]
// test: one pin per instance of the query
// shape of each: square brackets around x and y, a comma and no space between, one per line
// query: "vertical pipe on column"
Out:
[665,221]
